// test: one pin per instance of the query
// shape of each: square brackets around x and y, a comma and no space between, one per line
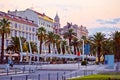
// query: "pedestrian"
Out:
[117,67]
[10,62]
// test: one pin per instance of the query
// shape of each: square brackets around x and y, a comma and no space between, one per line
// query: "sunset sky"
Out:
[96,15]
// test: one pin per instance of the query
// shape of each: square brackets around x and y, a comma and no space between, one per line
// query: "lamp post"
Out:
[82,53]
[83,49]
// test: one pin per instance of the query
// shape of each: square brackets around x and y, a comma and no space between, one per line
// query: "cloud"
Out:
[111,21]
[103,29]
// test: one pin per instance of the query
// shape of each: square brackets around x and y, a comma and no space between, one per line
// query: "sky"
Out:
[95,15]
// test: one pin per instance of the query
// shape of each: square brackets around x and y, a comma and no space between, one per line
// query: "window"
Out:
[26,35]
[7,43]
[15,25]
[29,28]
[48,25]
[22,34]
[23,28]
[30,36]
[39,21]
[15,33]
[43,23]
[26,28]
[33,29]
[19,33]
[33,37]
[19,27]
[11,32]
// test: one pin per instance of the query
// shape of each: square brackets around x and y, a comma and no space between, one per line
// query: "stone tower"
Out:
[57,24]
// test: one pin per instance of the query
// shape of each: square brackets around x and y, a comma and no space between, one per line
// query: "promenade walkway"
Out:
[48,71]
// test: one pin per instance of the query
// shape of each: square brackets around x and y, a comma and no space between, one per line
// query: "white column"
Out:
[72,49]
[21,50]
[30,54]
[65,49]
[38,51]
[56,49]
[44,49]
[51,48]
[61,49]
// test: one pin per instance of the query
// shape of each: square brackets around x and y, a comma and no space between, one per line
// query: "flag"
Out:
[78,53]
[87,49]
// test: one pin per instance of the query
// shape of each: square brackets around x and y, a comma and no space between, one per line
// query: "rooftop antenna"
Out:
[32,7]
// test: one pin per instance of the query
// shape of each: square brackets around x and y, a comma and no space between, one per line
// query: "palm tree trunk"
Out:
[69,41]
[49,48]
[99,49]
[117,53]
[41,46]
[63,48]
[2,48]
[74,50]
[54,48]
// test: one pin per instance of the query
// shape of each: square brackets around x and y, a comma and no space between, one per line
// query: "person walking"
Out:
[117,67]
[10,62]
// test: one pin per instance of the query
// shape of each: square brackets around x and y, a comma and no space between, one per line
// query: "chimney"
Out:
[32,21]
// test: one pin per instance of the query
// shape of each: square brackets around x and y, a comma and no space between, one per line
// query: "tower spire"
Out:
[56,24]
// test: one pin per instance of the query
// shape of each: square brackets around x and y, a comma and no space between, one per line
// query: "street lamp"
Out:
[82,52]
[83,49]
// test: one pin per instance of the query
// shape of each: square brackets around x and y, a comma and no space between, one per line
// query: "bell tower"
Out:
[57,24]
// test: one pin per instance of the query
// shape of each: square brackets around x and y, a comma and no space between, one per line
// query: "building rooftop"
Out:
[44,16]
[17,19]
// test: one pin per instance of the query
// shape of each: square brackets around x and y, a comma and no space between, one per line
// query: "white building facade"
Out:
[40,19]
[79,30]
[19,27]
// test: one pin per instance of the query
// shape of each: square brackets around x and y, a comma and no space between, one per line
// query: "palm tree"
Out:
[98,40]
[64,43]
[86,40]
[25,47]
[50,40]
[15,44]
[107,47]
[75,43]
[33,47]
[70,34]
[116,42]
[93,48]
[57,41]
[4,31]
[41,33]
